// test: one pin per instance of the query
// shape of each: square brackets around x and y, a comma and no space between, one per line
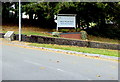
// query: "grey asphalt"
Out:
[30,64]
[0,62]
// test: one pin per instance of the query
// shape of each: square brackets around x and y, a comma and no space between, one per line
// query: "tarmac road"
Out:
[30,64]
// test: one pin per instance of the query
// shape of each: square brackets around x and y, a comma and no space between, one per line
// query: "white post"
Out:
[57,23]
[57,29]
[19,20]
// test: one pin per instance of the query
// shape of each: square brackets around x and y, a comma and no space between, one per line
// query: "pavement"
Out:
[20,63]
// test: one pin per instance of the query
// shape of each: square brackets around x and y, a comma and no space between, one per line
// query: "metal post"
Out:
[19,20]
[75,23]
[57,24]
[57,29]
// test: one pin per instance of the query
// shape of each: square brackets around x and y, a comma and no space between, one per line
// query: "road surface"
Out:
[30,64]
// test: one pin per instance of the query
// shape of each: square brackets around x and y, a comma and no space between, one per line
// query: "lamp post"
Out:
[19,20]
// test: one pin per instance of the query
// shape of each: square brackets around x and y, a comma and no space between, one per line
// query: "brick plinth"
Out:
[73,36]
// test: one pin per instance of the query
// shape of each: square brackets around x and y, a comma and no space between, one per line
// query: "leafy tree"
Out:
[87,12]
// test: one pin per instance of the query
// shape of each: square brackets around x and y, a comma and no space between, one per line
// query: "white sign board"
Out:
[66,21]
[9,34]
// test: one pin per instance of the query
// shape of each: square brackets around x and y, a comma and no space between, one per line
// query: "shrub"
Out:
[55,34]
[84,35]
[64,30]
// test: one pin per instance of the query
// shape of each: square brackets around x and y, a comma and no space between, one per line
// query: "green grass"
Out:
[35,33]
[80,49]
[32,33]
[101,39]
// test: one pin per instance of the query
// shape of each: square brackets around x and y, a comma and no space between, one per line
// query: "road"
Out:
[31,64]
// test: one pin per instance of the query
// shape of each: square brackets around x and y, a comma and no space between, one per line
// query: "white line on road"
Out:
[53,68]
[60,70]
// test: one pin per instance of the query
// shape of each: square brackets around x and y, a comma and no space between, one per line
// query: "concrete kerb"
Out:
[70,52]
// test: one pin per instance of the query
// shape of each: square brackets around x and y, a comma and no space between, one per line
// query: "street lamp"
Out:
[19,20]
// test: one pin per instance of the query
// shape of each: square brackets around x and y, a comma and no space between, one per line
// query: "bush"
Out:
[83,35]
[55,34]
[78,29]
[112,33]
[64,30]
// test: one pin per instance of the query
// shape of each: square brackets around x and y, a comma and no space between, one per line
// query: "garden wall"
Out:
[62,41]
[2,35]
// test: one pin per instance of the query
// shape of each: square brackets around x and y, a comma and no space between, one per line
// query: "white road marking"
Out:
[57,69]
[60,70]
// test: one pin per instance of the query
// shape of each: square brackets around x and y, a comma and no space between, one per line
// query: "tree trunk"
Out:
[102,25]
[15,16]
[31,16]
[87,24]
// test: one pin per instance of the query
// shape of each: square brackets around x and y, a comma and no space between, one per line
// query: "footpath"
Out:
[25,45]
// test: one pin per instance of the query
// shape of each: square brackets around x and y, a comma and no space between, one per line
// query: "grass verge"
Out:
[36,33]
[33,33]
[101,39]
[80,49]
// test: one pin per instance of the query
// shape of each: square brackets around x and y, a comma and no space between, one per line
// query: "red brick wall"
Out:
[73,36]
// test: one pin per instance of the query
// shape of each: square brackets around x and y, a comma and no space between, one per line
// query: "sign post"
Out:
[66,21]
[19,20]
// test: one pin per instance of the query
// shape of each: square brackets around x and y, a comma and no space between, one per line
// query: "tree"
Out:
[87,12]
